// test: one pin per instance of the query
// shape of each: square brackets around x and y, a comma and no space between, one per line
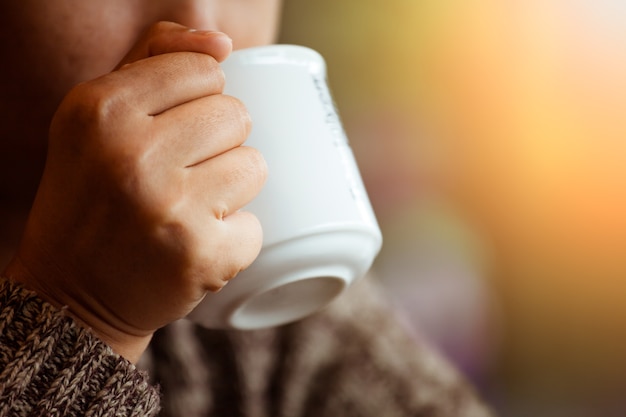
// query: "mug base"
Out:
[294,300]
[291,279]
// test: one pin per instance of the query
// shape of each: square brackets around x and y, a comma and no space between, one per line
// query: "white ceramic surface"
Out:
[320,232]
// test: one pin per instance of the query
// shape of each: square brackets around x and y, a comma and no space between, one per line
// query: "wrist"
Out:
[129,345]
[125,342]
[59,357]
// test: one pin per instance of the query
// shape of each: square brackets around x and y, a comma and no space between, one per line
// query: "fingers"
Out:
[240,242]
[178,53]
[227,239]
[142,188]
[226,183]
[170,82]
[168,37]
[224,240]
[159,83]
[199,130]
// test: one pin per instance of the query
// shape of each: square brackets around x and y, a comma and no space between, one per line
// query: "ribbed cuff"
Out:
[49,365]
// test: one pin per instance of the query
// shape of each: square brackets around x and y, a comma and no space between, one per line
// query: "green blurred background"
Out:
[492,139]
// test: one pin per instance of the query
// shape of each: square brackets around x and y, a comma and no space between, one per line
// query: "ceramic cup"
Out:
[320,232]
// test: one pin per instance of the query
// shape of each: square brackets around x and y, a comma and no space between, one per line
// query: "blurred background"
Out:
[491,136]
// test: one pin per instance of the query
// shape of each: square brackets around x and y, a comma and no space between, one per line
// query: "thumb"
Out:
[168,37]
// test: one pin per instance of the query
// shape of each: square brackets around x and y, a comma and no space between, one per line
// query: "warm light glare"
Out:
[511,114]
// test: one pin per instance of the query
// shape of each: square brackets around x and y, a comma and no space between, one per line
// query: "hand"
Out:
[137,215]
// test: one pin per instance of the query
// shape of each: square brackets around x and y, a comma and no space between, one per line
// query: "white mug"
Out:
[319,230]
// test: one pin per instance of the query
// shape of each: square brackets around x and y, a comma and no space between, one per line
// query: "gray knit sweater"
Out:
[353,359]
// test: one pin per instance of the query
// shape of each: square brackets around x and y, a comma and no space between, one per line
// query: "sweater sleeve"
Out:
[49,365]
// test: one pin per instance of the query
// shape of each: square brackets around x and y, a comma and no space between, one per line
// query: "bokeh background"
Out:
[492,139]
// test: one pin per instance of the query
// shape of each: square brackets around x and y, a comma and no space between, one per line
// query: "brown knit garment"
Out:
[50,366]
[353,359]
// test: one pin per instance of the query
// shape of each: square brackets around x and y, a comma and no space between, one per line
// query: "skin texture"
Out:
[136,215]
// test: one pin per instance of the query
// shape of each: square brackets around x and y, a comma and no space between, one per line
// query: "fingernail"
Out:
[209,33]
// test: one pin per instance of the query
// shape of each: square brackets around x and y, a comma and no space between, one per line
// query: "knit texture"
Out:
[354,359]
[50,366]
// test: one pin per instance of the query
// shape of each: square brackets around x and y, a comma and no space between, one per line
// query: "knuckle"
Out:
[217,280]
[234,116]
[171,229]
[217,72]
[222,257]
[98,125]
[217,269]
[242,116]
[231,115]
[205,67]
[255,165]
[87,121]
[254,238]
[220,210]
[91,107]
[248,168]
